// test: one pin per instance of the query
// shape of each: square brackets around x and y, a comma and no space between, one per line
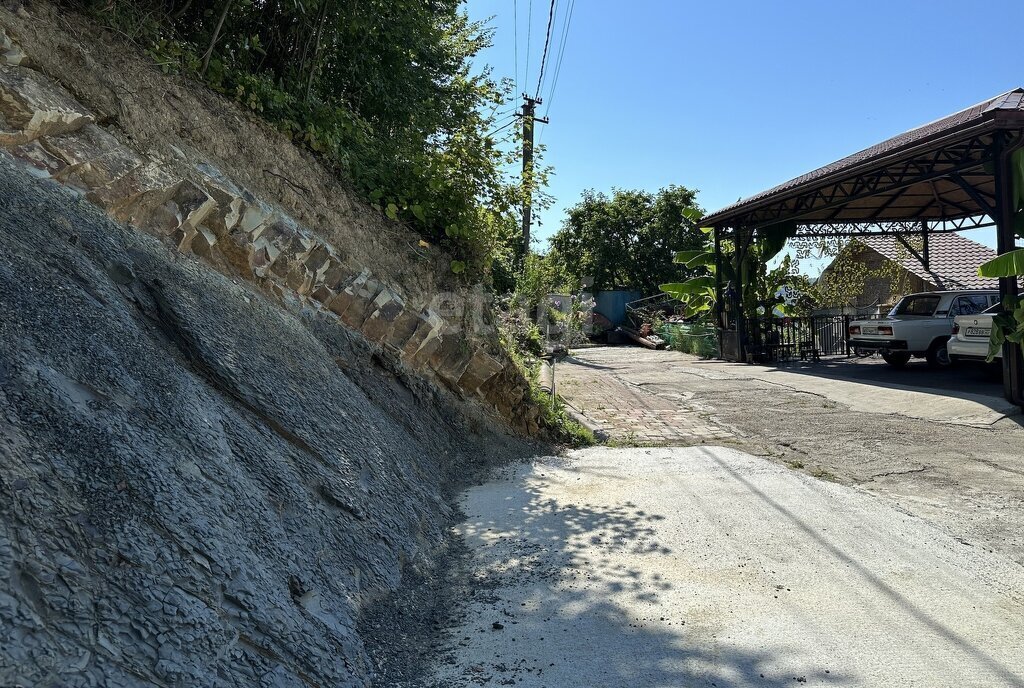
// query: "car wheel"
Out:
[896,359]
[938,355]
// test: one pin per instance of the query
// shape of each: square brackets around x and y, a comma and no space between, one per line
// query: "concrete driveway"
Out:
[965,395]
[706,566]
[947,448]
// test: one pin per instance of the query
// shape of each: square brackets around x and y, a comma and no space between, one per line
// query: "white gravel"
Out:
[706,566]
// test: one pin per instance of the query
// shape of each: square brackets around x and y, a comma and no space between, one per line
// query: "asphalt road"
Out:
[705,566]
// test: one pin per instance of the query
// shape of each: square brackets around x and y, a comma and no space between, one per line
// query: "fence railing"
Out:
[807,338]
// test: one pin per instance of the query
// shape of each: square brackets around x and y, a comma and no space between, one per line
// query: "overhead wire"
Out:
[561,54]
[547,44]
[529,41]
[566,23]
[502,127]
[499,120]
[515,41]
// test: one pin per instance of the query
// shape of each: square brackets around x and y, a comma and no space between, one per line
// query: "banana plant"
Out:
[698,293]
[1008,326]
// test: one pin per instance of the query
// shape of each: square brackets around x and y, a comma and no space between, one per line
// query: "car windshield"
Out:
[921,304]
[998,308]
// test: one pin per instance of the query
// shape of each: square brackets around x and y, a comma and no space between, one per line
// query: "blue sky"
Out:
[732,97]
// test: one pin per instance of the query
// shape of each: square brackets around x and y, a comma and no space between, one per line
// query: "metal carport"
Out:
[950,175]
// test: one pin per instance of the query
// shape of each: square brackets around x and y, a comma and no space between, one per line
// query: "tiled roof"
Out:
[1010,101]
[953,260]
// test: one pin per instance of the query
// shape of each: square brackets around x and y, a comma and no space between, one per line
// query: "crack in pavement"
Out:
[908,471]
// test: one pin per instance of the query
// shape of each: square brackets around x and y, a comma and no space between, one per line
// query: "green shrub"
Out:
[698,339]
[385,92]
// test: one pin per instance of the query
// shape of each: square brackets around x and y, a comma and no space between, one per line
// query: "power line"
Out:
[515,40]
[547,44]
[503,126]
[529,41]
[567,21]
[561,54]
[540,139]
[499,120]
[500,115]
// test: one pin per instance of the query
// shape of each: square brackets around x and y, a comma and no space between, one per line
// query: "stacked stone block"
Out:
[208,215]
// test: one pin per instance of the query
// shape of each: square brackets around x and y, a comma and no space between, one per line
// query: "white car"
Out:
[919,325]
[971,336]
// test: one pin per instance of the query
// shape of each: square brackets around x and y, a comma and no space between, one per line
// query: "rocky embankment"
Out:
[192,192]
[199,487]
[221,438]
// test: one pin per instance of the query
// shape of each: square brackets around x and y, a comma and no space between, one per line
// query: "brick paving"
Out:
[628,413]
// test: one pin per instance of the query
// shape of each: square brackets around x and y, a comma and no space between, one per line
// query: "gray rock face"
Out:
[200,211]
[198,487]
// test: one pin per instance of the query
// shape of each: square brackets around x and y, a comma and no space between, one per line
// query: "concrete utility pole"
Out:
[529,117]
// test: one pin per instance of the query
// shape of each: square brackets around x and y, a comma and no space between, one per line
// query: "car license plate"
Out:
[870,330]
[978,332]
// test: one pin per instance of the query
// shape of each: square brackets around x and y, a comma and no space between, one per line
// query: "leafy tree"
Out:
[627,240]
[850,277]
[383,90]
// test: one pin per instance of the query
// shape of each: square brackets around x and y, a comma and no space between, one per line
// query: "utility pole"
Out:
[529,117]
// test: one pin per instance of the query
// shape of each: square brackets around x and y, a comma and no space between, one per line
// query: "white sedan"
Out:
[971,335]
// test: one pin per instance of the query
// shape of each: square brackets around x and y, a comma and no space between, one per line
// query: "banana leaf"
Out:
[702,260]
[685,257]
[772,239]
[1000,323]
[692,287]
[1007,265]
[698,306]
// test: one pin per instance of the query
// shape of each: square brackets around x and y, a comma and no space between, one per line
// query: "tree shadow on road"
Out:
[1007,675]
[561,594]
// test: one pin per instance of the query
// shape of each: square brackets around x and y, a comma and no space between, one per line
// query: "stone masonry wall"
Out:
[201,211]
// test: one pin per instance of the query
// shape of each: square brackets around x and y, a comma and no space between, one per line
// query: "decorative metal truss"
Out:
[954,181]
[894,228]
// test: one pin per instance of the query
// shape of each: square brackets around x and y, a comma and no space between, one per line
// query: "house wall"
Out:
[881,291]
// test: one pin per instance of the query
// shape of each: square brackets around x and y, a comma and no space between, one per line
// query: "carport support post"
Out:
[740,316]
[719,306]
[1006,239]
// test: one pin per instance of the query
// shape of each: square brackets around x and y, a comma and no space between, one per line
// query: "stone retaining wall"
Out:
[202,212]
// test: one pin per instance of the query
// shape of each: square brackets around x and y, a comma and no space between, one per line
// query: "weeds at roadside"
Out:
[821,474]
[813,471]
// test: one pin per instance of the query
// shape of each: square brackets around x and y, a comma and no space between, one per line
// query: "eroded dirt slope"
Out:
[183,124]
[198,487]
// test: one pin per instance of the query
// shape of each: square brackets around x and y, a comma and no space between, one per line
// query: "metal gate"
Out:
[808,338]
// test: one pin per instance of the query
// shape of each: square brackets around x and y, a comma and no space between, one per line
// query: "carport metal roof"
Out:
[949,175]
[939,172]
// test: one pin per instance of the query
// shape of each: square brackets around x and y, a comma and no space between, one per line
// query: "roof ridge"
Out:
[1000,101]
